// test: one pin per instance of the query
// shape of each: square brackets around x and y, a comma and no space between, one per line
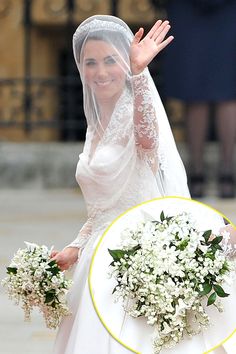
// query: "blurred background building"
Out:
[41,94]
[40,89]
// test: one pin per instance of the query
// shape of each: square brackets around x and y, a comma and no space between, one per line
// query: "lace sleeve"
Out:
[229,240]
[83,235]
[145,120]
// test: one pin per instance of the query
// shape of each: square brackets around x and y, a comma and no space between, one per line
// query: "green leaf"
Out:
[211,299]
[207,235]
[217,240]
[220,291]
[117,254]
[217,247]
[52,263]
[206,289]
[11,270]
[210,255]
[162,216]
[115,288]
[183,245]
[49,296]
[155,222]
[225,268]
[139,305]
[133,250]
[55,270]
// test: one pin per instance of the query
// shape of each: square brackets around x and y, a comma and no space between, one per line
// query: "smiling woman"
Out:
[103,71]
[103,61]
[129,156]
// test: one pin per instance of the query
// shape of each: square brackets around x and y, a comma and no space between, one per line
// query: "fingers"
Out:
[59,261]
[165,43]
[138,36]
[66,258]
[154,28]
[56,257]
[161,32]
[53,253]
[63,267]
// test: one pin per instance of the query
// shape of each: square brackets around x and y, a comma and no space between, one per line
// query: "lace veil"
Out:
[126,120]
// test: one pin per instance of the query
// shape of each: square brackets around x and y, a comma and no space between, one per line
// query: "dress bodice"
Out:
[140,184]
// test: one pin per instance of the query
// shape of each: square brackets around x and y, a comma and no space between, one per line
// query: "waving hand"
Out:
[142,51]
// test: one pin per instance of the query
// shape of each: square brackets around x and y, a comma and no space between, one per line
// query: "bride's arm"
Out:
[83,236]
[145,120]
[142,51]
[71,253]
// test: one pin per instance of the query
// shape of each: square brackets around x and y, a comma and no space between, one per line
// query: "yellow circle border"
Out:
[101,239]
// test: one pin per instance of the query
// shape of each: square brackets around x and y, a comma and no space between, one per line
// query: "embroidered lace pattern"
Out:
[120,128]
[83,235]
[145,121]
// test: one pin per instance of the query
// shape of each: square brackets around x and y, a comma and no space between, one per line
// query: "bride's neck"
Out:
[106,108]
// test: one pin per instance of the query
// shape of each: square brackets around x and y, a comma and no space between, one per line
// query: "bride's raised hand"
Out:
[142,51]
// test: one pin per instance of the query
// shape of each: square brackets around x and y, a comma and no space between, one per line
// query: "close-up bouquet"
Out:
[169,272]
[35,280]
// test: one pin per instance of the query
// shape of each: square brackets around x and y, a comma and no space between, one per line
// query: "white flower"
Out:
[164,277]
[167,329]
[180,308]
[31,283]
[62,297]
[203,248]
[31,246]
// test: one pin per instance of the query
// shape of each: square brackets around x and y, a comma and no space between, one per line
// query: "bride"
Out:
[129,157]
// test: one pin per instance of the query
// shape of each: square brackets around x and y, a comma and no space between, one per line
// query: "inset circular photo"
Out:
[162,278]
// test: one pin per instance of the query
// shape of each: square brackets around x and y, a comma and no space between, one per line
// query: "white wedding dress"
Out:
[83,332]
[131,160]
[135,333]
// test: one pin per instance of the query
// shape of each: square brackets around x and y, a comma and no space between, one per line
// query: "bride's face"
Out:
[103,70]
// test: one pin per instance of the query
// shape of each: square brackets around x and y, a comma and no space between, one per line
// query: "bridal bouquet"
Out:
[34,280]
[168,271]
